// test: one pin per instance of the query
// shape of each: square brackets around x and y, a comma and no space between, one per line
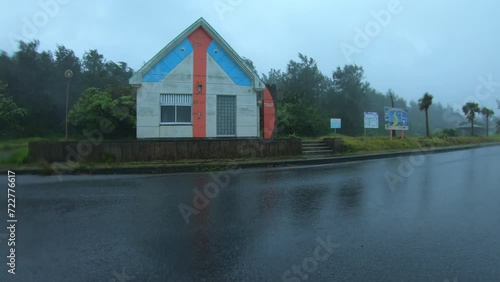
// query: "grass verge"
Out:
[17,158]
[13,144]
[378,144]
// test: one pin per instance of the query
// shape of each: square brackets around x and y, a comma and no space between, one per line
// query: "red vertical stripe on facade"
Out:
[200,41]
[269,114]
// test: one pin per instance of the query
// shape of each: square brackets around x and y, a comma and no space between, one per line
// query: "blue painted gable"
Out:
[232,69]
[169,62]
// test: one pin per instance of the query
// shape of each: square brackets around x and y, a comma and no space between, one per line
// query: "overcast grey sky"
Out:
[447,47]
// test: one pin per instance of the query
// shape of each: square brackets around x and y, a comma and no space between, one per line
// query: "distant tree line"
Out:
[33,97]
[33,90]
[310,99]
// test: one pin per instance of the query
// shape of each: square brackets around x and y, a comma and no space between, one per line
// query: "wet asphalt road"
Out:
[439,220]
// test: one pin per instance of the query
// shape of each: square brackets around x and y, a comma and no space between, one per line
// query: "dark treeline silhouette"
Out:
[35,81]
[310,99]
[33,84]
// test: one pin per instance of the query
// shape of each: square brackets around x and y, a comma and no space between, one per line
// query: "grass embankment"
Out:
[13,144]
[14,153]
[19,157]
[379,144]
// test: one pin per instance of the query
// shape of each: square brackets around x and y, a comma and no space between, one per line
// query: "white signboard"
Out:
[335,123]
[371,120]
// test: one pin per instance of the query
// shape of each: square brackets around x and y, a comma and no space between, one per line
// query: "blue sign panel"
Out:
[396,118]
[335,123]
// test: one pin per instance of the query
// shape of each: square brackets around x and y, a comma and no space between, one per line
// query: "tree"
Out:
[423,105]
[95,107]
[348,98]
[274,77]
[37,83]
[95,69]
[277,78]
[10,115]
[304,82]
[470,109]
[302,87]
[302,120]
[487,113]
[66,59]
[30,87]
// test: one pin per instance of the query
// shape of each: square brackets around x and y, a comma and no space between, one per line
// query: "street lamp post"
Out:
[68,74]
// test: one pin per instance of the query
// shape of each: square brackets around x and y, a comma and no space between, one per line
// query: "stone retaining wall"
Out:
[161,150]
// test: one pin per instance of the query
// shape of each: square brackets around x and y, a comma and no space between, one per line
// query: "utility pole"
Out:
[68,74]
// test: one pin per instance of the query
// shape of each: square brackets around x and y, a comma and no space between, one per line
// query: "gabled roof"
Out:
[137,79]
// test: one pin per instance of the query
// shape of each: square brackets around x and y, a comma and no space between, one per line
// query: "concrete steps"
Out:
[315,148]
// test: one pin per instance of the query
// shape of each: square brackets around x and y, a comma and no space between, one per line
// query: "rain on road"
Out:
[436,219]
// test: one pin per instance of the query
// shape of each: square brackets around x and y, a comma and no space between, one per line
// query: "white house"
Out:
[198,87]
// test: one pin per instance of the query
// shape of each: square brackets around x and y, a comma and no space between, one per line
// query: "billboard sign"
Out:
[396,118]
[335,123]
[371,120]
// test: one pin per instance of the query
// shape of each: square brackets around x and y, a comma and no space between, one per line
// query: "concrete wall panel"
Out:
[175,131]
[148,121]
[211,115]
[147,132]
[215,74]
[246,131]
[221,89]
[180,79]
[245,90]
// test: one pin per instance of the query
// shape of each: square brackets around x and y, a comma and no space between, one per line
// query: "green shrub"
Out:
[17,158]
[447,133]
[301,120]
[377,144]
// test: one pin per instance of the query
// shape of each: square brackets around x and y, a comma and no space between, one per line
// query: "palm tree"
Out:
[423,104]
[487,113]
[470,109]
